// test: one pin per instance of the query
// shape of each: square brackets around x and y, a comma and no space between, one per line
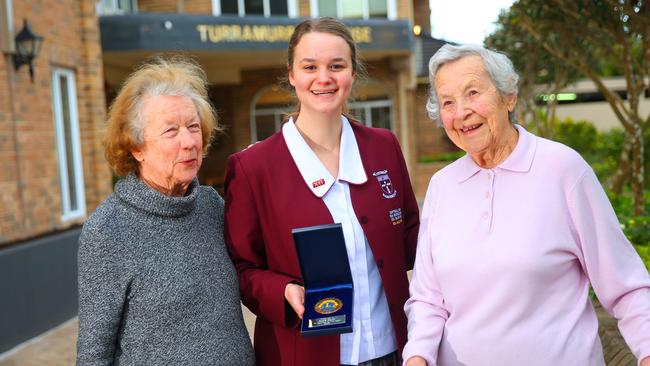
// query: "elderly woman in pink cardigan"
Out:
[512,236]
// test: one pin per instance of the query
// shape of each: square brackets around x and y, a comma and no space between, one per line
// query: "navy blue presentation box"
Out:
[328,282]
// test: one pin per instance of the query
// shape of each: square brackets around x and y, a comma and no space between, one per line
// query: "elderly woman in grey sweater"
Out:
[156,286]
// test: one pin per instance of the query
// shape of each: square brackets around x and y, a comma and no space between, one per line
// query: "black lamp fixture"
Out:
[28,45]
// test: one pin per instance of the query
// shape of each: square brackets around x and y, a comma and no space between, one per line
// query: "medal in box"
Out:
[327,279]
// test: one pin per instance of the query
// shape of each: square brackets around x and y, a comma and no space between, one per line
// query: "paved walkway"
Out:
[614,347]
[58,347]
[54,348]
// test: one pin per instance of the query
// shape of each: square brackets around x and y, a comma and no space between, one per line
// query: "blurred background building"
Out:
[581,101]
[242,47]
[52,171]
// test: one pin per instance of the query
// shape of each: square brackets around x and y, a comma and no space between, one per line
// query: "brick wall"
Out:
[29,179]
[158,6]
[422,15]
[11,211]
[175,6]
[431,138]
[304,8]
[422,176]
[198,7]
[405,9]
[91,101]
[253,81]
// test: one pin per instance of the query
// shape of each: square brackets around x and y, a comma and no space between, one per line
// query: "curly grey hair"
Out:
[497,65]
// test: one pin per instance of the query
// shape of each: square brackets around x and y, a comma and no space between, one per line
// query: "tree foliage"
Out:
[540,72]
[596,38]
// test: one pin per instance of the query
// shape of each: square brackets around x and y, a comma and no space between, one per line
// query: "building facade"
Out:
[241,44]
[581,101]
[52,170]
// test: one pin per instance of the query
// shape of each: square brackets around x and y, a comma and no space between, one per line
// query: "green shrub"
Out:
[636,228]
[582,136]
[602,151]
[605,154]
[644,253]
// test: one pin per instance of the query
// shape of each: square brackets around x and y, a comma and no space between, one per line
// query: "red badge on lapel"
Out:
[318,183]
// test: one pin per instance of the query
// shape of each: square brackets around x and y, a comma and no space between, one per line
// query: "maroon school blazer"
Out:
[266,197]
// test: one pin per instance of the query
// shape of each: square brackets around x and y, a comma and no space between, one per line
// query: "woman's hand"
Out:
[645,362]
[295,295]
[419,361]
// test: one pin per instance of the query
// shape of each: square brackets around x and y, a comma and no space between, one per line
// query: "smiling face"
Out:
[473,112]
[321,73]
[172,151]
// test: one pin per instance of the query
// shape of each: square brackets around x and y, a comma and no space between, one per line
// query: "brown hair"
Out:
[330,26]
[162,75]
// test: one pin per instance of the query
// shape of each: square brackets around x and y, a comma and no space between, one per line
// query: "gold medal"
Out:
[328,305]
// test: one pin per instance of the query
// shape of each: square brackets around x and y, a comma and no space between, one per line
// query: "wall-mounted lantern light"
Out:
[28,45]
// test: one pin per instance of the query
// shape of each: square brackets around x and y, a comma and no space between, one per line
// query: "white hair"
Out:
[497,65]
[156,88]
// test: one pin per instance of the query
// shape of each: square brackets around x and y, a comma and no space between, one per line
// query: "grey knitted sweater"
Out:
[156,285]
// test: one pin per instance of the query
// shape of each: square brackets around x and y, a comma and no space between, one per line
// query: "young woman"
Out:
[322,168]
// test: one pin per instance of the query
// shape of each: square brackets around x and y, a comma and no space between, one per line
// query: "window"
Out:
[265,8]
[327,8]
[108,7]
[377,8]
[376,113]
[66,123]
[355,9]
[271,105]
[6,26]
[267,121]
[268,109]
[575,98]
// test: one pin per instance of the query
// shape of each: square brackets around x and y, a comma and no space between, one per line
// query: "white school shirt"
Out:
[372,330]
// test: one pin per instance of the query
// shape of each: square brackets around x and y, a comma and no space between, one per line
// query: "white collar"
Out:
[314,173]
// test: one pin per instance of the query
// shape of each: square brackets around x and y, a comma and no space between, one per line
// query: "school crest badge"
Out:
[387,189]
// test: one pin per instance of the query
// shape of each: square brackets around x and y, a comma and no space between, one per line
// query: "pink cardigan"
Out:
[505,260]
